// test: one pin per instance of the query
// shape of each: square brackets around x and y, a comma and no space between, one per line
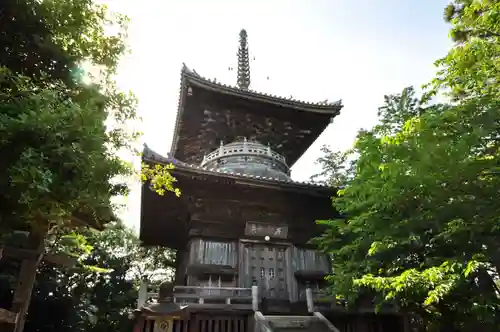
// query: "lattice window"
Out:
[271,273]
[220,253]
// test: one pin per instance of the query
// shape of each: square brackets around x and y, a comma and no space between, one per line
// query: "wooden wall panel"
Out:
[213,252]
[205,323]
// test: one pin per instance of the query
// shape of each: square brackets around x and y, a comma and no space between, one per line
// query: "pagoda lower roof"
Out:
[222,111]
[153,157]
[165,219]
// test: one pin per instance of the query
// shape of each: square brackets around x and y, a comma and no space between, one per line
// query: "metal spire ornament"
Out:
[243,62]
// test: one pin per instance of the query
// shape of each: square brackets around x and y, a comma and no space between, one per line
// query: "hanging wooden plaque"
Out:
[262,229]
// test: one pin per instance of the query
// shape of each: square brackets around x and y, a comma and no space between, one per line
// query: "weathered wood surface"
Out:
[7,316]
[60,259]
[220,323]
[265,229]
[27,276]
[18,253]
[196,323]
[30,258]
[212,295]
[22,254]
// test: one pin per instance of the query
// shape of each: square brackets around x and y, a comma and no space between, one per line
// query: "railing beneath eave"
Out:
[242,148]
[202,294]
[205,295]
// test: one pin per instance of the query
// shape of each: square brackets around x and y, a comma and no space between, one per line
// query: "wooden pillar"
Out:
[309,299]
[251,326]
[139,324]
[406,322]
[193,326]
[255,298]
[143,294]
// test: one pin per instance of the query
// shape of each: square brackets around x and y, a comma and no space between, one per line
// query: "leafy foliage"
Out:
[58,151]
[56,146]
[55,156]
[471,68]
[79,299]
[421,214]
[60,130]
[420,204]
[335,167]
[160,178]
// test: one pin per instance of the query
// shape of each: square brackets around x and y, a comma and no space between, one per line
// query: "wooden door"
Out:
[265,265]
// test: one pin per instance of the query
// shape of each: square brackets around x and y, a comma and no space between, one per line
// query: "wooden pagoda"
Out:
[242,225]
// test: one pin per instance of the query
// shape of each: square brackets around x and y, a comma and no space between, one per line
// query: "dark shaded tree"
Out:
[98,293]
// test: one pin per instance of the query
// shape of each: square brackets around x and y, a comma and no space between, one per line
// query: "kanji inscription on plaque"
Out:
[262,229]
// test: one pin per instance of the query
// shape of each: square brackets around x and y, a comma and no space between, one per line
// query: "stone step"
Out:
[296,324]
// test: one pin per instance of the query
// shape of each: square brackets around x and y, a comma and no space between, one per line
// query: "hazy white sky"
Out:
[354,50]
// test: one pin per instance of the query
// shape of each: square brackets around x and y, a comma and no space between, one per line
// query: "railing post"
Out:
[245,145]
[221,149]
[255,298]
[309,299]
[143,293]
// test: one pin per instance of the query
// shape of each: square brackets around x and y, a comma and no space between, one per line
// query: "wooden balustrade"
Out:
[201,323]
[203,294]
[235,295]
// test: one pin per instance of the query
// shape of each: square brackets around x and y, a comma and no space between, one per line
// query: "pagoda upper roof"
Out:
[325,107]
[303,121]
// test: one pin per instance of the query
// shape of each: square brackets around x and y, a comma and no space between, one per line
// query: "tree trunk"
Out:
[27,276]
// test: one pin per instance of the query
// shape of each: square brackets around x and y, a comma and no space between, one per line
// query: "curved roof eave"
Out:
[150,155]
[331,109]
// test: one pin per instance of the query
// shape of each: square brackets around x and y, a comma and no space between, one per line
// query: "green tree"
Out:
[81,299]
[59,155]
[421,213]
[338,166]
[471,68]
[335,167]
[112,295]
[58,134]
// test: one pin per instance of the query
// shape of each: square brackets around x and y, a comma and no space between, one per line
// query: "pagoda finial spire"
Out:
[243,62]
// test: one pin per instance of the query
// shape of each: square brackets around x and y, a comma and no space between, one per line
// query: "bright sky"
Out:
[354,50]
